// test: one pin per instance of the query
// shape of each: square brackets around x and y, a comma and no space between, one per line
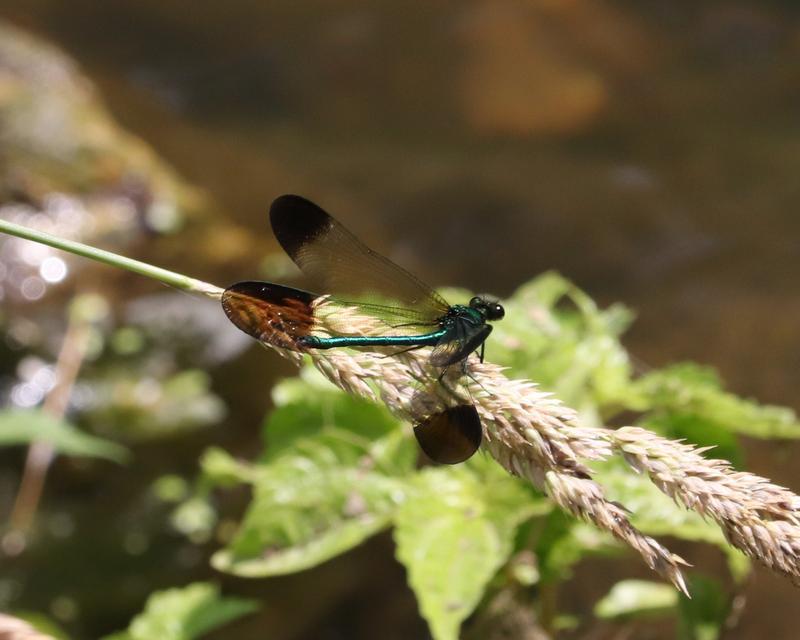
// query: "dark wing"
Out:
[340,265]
[451,436]
[460,341]
[269,312]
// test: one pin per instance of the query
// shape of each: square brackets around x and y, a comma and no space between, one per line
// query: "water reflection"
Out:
[28,268]
[35,379]
[53,269]
[32,288]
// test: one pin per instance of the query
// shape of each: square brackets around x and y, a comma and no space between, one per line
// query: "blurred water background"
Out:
[647,150]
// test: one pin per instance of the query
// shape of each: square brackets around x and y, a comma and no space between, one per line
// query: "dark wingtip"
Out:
[296,221]
[451,436]
[289,200]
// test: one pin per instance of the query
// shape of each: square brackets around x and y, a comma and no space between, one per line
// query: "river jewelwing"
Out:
[351,275]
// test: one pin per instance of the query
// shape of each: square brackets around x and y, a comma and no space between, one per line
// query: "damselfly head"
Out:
[489,309]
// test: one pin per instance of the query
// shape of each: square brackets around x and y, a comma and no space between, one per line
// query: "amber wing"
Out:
[270,312]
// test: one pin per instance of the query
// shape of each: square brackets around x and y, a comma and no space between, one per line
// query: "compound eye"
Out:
[496,311]
[476,302]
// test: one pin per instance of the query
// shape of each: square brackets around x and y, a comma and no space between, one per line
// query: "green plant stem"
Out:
[177,280]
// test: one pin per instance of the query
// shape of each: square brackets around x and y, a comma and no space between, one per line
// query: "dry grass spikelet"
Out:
[533,435]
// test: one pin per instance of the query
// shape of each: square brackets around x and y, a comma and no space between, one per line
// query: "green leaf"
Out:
[453,532]
[690,389]
[563,541]
[555,334]
[307,406]
[185,613]
[170,488]
[703,617]
[195,518]
[633,598]
[222,470]
[140,409]
[22,427]
[303,387]
[320,494]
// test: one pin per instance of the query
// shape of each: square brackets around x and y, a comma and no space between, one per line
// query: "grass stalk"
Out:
[171,278]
